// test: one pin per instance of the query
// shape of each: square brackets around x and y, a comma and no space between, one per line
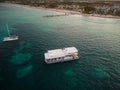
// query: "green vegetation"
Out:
[89,9]
[101,7]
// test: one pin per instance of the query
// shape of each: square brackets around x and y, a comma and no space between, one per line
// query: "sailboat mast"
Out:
[8,30]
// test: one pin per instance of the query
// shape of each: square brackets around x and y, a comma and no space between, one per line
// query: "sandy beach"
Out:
[64,12]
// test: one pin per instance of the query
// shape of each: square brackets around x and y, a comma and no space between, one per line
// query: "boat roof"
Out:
[71,50]
[59,52]
[54,54]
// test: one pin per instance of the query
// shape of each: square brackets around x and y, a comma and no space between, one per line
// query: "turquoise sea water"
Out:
[22,65]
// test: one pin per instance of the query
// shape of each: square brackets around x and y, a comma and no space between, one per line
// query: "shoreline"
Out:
[64,11]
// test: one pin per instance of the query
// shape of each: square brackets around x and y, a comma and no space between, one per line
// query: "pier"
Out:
[58,15]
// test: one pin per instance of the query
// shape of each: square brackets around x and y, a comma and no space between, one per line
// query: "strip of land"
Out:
[63,12]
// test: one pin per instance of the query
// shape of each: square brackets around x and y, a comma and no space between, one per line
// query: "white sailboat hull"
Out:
[10,38]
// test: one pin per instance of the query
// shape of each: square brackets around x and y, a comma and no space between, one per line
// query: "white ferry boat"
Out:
[61,55]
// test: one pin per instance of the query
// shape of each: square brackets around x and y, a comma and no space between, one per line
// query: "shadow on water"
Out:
[7,69]
[14,57]
[22,72]
[100,73]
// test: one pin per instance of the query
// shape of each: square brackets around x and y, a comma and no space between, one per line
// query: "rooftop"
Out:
[70,50]
[60,52]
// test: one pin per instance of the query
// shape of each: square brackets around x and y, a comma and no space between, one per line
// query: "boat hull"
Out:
[7,39]
[60,61]
[61,55]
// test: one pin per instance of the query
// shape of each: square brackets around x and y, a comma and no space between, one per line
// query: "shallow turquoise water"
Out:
[22,65]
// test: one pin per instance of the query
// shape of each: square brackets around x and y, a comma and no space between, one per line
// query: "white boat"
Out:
[10,37]
[61,55]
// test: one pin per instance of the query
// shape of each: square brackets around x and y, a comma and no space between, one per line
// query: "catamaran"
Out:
[61,55]
[10,37]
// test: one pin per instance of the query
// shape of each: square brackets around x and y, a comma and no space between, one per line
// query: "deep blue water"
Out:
[22,65]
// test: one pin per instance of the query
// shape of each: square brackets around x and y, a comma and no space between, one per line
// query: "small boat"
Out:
[61,55]
[10,37]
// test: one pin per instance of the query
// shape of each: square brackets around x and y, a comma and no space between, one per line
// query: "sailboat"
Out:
[10,37]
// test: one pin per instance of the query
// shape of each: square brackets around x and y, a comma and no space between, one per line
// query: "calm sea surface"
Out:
[22,65]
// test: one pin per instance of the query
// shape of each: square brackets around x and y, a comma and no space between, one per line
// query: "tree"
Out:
[89,9]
